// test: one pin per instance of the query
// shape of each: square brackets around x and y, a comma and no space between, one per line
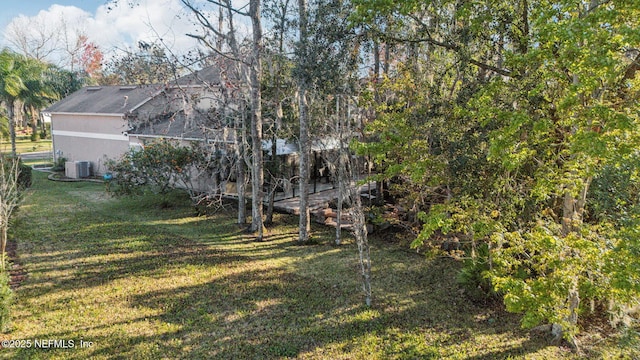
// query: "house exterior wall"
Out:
[89,137]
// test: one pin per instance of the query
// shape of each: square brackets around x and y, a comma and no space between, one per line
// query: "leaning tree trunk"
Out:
[359,223]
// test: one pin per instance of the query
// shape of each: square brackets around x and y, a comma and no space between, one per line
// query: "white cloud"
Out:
[114,28]
[111,28]
[123,26]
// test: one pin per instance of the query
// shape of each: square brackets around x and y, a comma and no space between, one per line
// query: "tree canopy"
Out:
[502,127]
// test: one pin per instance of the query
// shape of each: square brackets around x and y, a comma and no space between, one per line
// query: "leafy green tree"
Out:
[502,119]
[568,125]
[325,67]
[20,79]
[40,91]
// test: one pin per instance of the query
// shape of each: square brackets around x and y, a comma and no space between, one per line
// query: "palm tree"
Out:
[11,85]
[4,124]
[16,71]
[41,90]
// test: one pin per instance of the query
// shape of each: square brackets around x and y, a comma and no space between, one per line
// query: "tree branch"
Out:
[448,46]
[203,40]
[228,6]
[202,19]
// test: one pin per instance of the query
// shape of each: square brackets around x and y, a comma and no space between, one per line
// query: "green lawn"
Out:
[26,145]
[147,279]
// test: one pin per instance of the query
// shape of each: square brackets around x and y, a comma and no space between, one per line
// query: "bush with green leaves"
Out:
[59,164]
[160,166]
[24,175]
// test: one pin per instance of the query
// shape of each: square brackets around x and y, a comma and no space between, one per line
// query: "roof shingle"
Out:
[104,99]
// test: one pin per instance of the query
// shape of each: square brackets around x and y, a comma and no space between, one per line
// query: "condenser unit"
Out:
[77,169]
[83,169]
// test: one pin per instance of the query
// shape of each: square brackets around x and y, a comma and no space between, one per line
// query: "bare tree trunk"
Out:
[274,180]
[278,121]
[305,222]
[348,170]
[364,252]
[573,208]
[359,222]
[3,230]
[240,170]
[339,206]
[34,122]
[376,60]
[12,125]
[387,57]
[220,39]
[275,164]
[574,304]
[257,169]
[341,173]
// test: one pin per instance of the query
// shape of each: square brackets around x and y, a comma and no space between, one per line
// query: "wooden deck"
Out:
[320,196]
[317,200]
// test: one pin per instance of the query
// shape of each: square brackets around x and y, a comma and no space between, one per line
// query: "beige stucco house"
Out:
[91,123]
[97,123]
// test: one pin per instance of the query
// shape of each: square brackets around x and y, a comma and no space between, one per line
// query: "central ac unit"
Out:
[83,169]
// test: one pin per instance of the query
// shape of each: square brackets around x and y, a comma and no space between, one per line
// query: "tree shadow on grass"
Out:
[285,312]
[113,260]
[266,305]
[254,314]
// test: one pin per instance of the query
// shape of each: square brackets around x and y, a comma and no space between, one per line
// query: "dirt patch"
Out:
[17,273]
[92,196]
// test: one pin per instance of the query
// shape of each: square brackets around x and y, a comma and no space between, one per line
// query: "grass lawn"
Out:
[26,145]
[145,278]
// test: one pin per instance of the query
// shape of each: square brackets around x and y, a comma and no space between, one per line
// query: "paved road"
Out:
[39,155]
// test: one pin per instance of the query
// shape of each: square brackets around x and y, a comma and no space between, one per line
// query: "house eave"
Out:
[83,114]
[179,138]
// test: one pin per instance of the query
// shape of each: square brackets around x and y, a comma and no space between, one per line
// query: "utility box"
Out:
[77,169]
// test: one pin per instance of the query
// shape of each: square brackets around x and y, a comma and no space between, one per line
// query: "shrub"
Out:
[475,277]
[161,165]
[6,296]
[60,163]
[24,172]
[24,175]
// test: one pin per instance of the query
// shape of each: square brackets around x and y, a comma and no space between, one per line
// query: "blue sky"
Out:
[14,8]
